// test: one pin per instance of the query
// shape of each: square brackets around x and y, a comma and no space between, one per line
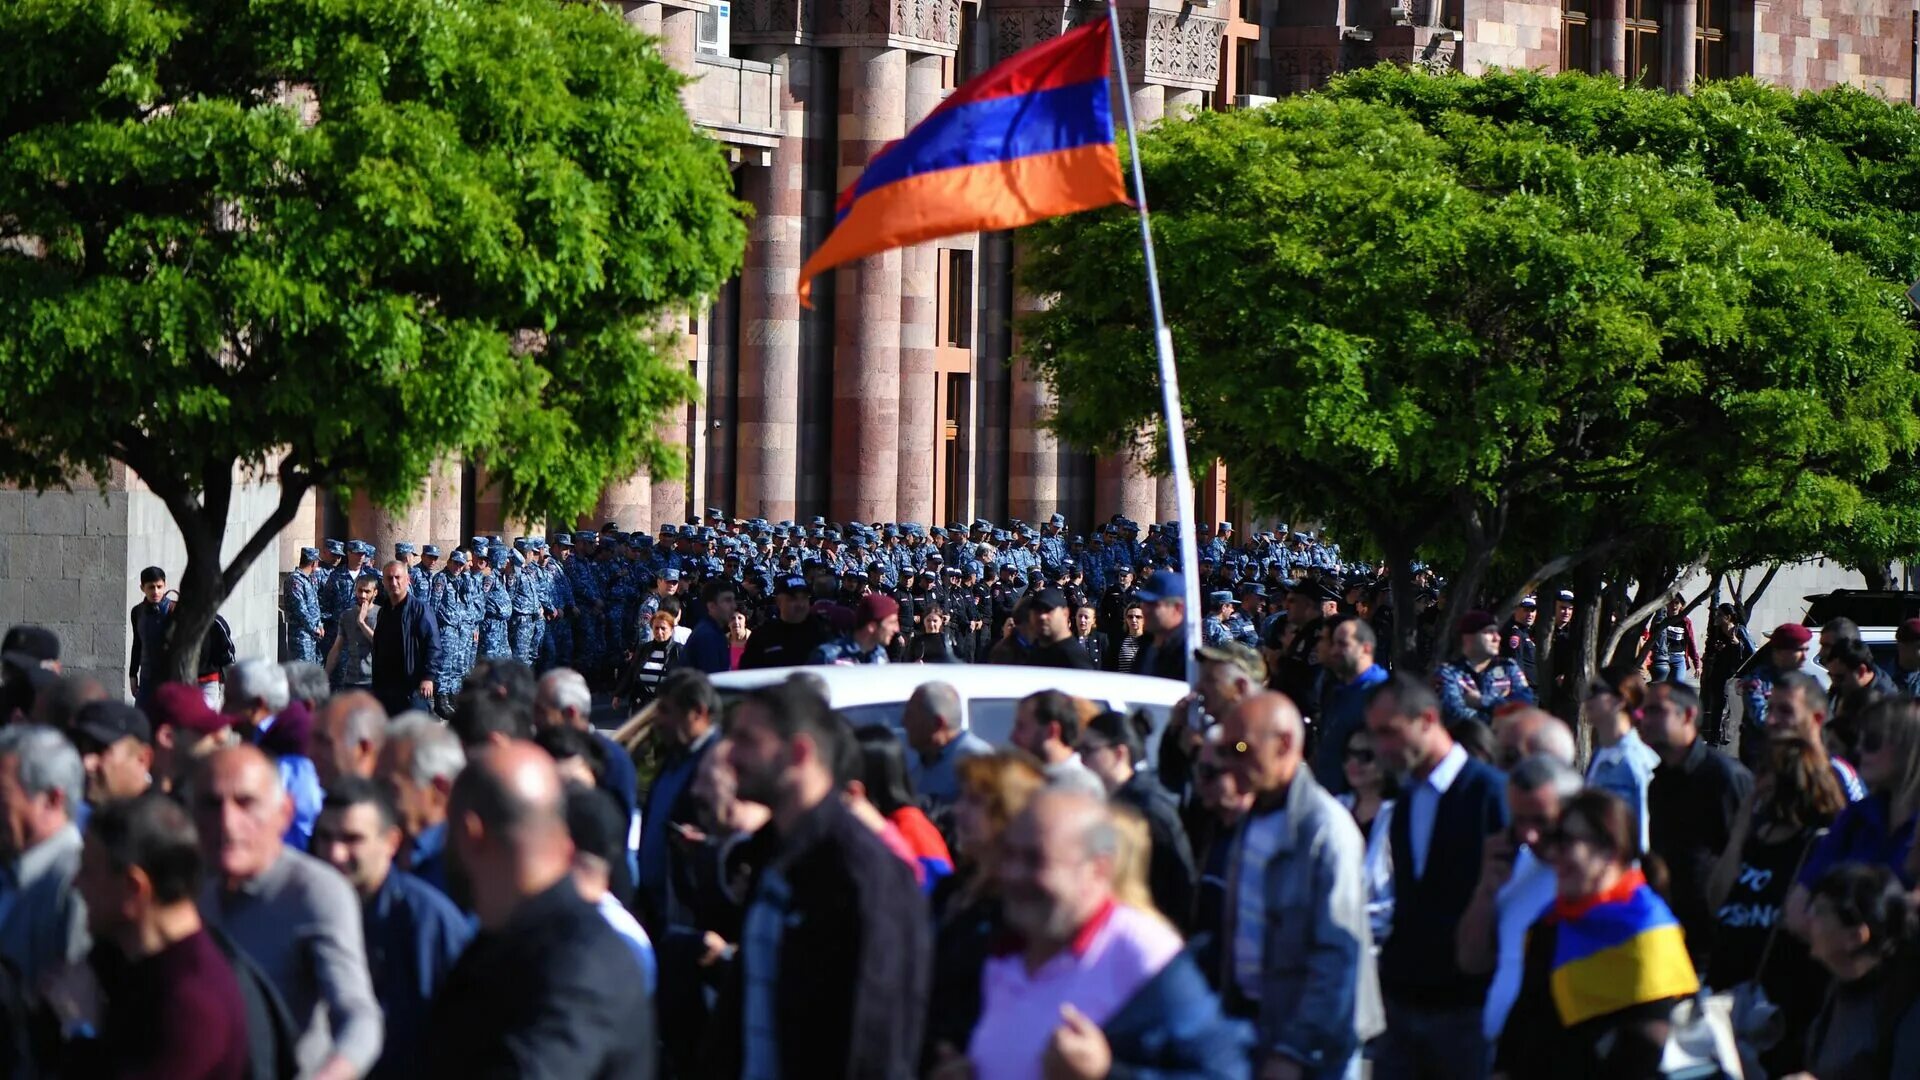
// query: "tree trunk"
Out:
[1587,608]
[1879,575]
[205,585]
[1485,526]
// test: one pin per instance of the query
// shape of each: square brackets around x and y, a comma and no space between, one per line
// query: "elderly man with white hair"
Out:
[257,693]
[43,920]
[563,700]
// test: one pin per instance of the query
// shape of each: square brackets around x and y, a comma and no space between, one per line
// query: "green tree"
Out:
[1426,328]
[328,242]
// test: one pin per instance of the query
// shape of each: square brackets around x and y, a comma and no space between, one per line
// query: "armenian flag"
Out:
[1615,950]
[1030,138]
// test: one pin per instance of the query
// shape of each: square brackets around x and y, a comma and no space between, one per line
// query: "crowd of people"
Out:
[1328,871]
[623,608]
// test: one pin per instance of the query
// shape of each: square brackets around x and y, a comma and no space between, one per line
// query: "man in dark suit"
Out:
[547,988]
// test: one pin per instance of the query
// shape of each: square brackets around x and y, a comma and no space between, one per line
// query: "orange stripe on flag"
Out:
[972,198]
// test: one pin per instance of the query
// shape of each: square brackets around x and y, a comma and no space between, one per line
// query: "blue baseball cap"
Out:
[670,574]
[335,548]
[1164,585]
[431,551]
[404,548]
[308,555]
[458,558]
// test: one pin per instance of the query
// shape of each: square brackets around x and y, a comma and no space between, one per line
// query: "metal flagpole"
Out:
[1169,379]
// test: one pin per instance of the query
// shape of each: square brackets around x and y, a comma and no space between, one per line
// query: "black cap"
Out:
[794,584]
[1049,599]
[37,642]
[103,723]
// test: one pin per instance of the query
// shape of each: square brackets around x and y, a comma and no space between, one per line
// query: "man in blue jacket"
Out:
[706,647]
[406,646]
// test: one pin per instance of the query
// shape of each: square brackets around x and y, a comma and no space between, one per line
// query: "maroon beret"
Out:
[1791,633]
[1473,622]
[1908,631]
[874,607]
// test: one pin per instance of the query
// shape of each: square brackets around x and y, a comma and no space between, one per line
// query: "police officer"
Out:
[1213,631]
[459,633]
[1474,686]
[494,606]
[1786,650]
[301,603]
[523,599]
[429,567]
[1516,638]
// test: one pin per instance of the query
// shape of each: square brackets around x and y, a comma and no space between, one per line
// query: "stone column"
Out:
[679,38]
[444,520]
[1149,104]
[410,524]
[1033,460]
[1122,486]
[670,496]
[919,310]
[866,363]
[1678,27]
[628,503]
[644,16]
[769,425]
[1610,38]
[1166,503]
[302,531]
[1183,102]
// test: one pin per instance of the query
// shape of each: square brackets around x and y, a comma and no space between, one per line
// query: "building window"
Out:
[959,66]
[1710,49]
[1643,43]
[1245,53]
[956,321]
[1576,35]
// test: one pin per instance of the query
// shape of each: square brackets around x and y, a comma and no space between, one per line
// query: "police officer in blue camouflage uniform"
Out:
[1053,547]
[301,604]
[1244,625]
[589,633]
[495,607]
[334,558]
[457,631]
[523,601]
[406,552]
[1214,631]
[1477,684]
[338,596]
[428,567]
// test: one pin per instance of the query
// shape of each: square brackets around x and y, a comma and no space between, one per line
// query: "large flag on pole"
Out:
[1030,138]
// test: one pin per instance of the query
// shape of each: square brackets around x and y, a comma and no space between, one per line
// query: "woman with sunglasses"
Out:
[1369,798]
[1877,830]
[1604,966]
[1861,927]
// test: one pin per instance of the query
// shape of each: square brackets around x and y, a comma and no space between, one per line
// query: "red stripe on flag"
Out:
[1080,54]
[975,198]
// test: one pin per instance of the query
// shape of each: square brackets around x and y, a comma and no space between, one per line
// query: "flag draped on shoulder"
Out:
[1030,138]
[1616,950]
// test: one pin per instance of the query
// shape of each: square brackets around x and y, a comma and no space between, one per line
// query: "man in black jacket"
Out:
[406,646]
[547,988]
[790,639]
[835,951]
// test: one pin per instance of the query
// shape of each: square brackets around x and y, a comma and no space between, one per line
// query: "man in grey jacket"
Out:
[43,920]
[1296,951]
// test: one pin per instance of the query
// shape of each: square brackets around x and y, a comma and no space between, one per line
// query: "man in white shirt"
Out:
[1516,887]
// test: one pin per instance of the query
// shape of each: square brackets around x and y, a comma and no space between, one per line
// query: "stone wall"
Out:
[1511,34]
[71,561]
[1813,44]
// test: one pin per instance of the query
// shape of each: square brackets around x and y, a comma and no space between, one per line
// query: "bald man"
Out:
[347,734]
[579,1005]
[293,915]
[1297,951]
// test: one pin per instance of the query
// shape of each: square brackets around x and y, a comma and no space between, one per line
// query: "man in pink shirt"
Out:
[1084,962]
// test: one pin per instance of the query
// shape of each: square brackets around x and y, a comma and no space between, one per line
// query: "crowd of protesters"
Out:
[1330,872]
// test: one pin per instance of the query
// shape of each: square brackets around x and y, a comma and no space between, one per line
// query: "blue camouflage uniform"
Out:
[1501,682]
[1242,630]
[523,600]
[489,594]
[844,651]
[457,626]
[302,604]
[589,637]
[1214,632]
[1053,556]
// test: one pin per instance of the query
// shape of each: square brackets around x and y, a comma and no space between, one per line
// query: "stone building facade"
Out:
[895,398]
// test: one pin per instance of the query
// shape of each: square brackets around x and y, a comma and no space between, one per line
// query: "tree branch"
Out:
[1640,614]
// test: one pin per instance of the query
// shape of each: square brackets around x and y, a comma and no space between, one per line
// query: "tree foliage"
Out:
[1432,325]
[332,241]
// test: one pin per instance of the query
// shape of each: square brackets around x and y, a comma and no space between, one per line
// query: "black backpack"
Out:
[271,1033]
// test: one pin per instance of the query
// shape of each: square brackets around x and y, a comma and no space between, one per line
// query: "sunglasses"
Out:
[1559,837]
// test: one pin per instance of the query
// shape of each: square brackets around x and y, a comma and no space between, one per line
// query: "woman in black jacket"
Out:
[1113,745]
[933,644]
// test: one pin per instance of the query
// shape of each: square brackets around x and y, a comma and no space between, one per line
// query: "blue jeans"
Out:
[1427,1043]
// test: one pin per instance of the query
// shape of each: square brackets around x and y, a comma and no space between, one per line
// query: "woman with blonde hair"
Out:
[994,789]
